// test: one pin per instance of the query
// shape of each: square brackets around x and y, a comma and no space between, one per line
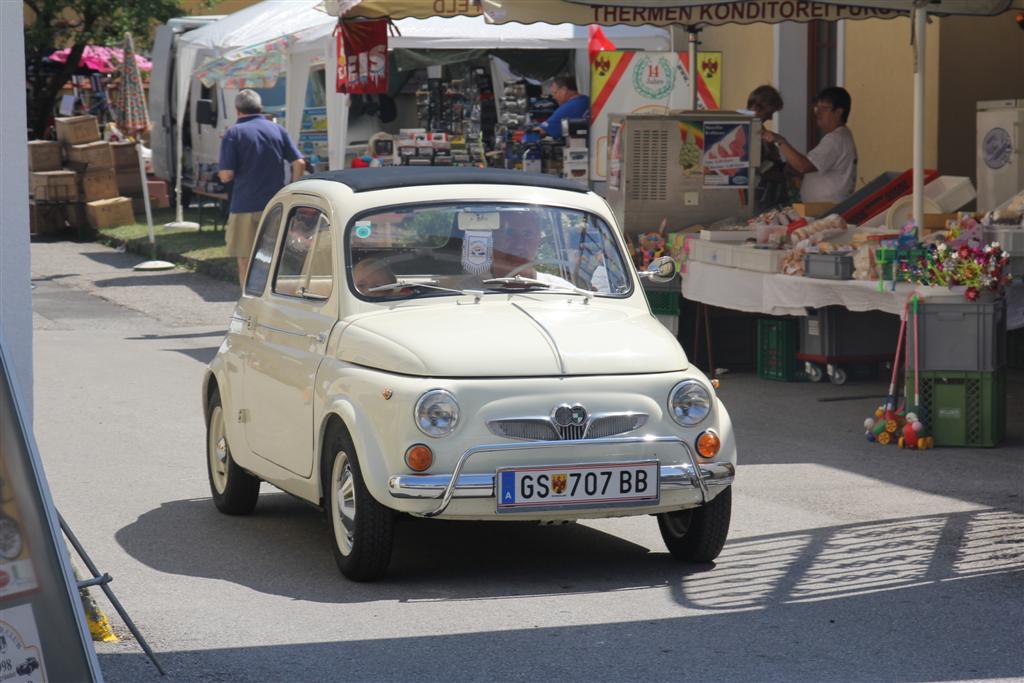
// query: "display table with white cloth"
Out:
[777,294]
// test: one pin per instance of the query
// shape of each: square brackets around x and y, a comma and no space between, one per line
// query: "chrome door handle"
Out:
[320,338]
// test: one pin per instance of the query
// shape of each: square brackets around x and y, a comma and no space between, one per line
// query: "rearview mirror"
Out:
[206,114]
[661,269]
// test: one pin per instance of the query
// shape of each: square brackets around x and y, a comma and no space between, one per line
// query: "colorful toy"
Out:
[916,435]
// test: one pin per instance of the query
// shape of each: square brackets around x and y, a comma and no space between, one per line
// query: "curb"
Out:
[227,272]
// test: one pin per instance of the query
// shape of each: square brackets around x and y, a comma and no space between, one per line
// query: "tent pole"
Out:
[691,34]
[920,27]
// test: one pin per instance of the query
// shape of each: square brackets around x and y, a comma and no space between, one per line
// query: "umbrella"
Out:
[133,119]
[103,59]
[257,66]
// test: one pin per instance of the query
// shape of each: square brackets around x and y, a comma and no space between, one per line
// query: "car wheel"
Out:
[698,535]
[234,490]
[362,528]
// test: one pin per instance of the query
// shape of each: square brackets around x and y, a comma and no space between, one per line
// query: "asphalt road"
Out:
[846,561]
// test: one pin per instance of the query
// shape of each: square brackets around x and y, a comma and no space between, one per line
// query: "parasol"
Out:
[103,59]
[133,119]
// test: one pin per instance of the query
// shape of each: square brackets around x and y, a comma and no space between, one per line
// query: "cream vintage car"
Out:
[464,344]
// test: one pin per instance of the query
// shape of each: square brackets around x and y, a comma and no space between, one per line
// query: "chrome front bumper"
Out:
[685,475]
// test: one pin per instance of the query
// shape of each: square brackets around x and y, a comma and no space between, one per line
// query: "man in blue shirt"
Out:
[253,155]
[571,105]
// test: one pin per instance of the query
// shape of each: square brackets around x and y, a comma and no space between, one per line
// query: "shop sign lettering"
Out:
[740,12]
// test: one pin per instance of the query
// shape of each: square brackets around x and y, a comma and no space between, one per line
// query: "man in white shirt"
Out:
[830,169]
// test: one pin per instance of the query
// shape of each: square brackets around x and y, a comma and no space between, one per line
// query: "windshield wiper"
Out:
[415,284]
[518,282]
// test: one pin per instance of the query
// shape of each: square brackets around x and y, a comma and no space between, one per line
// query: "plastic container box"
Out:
[1010,239]
[760,260]
[959,335]
[776,350]
[705,251]
[829,266]
[964,408]
[836,335]
[663,303]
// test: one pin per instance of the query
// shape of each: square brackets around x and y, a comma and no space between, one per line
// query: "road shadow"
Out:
[210,290]
[284,549]
[927,632]
[187,335]
[204,355]
[114,258]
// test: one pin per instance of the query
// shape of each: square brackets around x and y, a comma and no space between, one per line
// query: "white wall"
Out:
[15,274]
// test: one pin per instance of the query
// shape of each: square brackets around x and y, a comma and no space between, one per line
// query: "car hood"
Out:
[517,337]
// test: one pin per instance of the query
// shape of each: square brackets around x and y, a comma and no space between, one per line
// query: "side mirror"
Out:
[661,269]
[205,113]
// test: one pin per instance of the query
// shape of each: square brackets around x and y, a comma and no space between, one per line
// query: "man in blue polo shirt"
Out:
[253,155]
[571,105]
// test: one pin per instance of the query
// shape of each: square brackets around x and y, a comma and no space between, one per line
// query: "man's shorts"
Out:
[241,233]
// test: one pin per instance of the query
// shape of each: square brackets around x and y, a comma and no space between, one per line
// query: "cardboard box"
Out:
[92,155]
[44,219]
[54,186]
[43,155]
[158,196]
[937,221]
[77,130]
[125,156]
[129,182]
[813,209]
[99,183]
[109,213]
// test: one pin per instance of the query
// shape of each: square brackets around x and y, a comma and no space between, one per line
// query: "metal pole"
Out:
[920,27]
[102,580]
[692,53]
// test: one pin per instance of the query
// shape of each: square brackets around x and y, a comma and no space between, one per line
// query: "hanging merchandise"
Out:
[365,44]
[341,75]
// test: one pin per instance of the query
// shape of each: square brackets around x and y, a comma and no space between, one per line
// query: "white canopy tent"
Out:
[310,31]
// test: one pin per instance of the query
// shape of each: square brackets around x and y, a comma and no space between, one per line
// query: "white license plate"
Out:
[578,486]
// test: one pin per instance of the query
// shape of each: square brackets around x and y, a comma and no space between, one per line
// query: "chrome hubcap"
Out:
[344,508]
[218,449]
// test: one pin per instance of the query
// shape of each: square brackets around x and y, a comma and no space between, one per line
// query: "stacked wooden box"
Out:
[86,189]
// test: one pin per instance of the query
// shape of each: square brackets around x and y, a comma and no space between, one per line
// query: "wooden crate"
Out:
[109,213]
[129,182]
[99,183]
[91,155]
[43,155]
[77,130]
[76,216]
[125,156]
[53,186]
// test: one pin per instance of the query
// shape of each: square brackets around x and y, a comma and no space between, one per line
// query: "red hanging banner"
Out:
[366,56]
[341,75]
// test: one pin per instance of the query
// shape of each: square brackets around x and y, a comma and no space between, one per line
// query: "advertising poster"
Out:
[630,82]
[726,154]
[17,575]
[691,150]
[21,657]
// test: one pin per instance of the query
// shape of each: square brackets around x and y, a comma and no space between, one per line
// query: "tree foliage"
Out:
[77,23]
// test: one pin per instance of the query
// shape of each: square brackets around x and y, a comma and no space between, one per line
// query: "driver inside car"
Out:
[370,273]
[516,245]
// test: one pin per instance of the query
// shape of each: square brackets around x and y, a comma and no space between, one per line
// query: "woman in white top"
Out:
[830,169]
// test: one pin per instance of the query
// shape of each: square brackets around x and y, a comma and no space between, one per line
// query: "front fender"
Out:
[366,442]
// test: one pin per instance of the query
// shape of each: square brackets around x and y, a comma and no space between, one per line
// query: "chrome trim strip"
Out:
[547,334]
[278,329]
[401,483]
[494,425]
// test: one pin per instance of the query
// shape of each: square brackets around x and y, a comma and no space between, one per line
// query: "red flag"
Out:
[597,41]
[366,55]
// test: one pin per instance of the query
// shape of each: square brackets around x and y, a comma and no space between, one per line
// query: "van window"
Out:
[316,88]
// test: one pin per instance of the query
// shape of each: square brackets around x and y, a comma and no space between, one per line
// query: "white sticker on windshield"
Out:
[479,220]
[363,229]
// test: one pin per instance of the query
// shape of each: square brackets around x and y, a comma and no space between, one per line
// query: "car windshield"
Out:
[446,248]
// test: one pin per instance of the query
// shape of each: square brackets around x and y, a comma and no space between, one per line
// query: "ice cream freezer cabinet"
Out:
[687,167]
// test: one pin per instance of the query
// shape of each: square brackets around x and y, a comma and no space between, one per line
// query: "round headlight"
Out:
[689,403]
[437,413]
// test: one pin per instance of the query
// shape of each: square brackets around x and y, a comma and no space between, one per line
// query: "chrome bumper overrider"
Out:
[684,475]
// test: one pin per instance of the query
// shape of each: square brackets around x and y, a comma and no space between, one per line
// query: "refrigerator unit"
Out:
[687,167]
[999,151]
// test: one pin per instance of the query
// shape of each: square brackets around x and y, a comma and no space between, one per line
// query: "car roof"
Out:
[391,177]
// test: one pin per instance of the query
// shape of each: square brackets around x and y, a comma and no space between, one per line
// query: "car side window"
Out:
[259,268]
[306,265]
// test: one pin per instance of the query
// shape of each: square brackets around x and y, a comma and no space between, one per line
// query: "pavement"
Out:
[847,561]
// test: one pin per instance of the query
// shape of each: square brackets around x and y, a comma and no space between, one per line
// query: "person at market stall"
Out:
[772,186]
[830,169]
[253,154]
[571,105]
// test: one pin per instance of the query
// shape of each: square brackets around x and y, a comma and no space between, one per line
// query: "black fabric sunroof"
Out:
[389,177]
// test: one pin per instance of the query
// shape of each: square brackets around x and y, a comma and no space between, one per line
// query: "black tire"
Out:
[234,490]
[698,534]
[362,544]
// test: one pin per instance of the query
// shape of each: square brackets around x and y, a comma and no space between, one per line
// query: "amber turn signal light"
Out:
[708,444]
[419,458]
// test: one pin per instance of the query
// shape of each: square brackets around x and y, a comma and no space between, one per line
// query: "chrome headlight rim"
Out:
[690,385]
[435,397]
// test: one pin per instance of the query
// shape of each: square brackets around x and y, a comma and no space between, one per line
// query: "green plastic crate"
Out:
[965,408]
[888,257]
[777,343]
[663,303]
